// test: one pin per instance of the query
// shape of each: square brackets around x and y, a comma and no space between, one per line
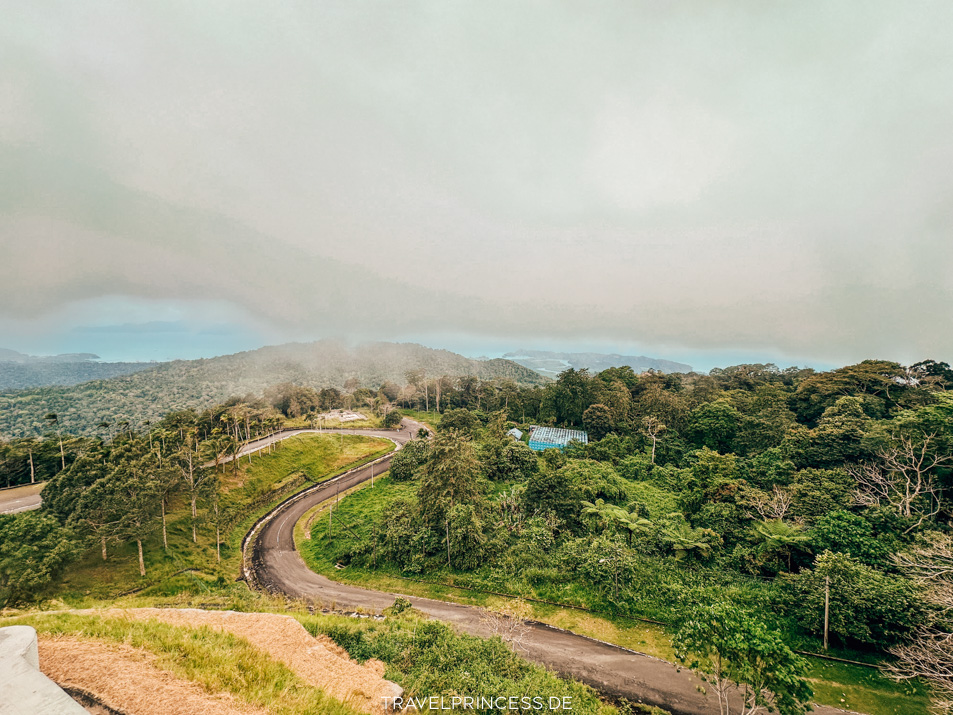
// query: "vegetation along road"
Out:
[276,566]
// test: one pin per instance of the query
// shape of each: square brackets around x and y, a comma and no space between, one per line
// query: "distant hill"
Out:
[181,384]
[19,371]
[551,364]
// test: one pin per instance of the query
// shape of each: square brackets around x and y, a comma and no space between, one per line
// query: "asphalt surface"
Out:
[20,499]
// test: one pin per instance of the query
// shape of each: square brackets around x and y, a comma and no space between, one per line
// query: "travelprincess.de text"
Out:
[467,702]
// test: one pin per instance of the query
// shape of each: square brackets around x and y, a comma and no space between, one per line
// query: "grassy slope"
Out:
[840,685]
[424,657]
[318,456]
[219,662]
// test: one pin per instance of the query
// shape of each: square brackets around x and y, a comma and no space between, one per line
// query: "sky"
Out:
[706,182]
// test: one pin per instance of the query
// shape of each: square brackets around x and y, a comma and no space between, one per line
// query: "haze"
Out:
[711,183]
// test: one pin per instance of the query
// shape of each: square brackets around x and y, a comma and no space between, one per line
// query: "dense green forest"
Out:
[753,492]
[751,496]
[198,384]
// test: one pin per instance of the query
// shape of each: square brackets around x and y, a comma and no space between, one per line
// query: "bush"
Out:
[428,658]
[34,549]
[405,464]
[866,605]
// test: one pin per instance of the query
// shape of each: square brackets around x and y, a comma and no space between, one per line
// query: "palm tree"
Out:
[53,419]
[632,521]
[600,512]
[778,535]
[687,541]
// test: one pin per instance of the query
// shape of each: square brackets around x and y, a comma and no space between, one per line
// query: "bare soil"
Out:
[318,661]
[126,679]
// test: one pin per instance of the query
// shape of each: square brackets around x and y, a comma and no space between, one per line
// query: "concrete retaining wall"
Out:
[24,690]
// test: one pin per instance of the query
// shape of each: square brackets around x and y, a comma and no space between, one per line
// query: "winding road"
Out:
[273,563]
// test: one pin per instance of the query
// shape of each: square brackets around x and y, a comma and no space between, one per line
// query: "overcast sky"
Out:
[706,182]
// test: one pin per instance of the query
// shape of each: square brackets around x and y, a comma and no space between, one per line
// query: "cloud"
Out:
[725,177]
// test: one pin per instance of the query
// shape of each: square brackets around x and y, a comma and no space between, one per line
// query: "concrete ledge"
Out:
[24,690]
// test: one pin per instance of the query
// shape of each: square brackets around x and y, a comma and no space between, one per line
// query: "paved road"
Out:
[615,671]
[20,499]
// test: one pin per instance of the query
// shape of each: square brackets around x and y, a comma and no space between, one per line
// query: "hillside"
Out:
[182,384]
[19,372]
[550,364]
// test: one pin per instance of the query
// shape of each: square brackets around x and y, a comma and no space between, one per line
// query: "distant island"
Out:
[551,364]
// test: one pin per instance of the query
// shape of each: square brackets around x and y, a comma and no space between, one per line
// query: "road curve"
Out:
[617,672]
[22,498]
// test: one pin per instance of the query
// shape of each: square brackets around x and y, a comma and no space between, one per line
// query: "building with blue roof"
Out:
[554,438]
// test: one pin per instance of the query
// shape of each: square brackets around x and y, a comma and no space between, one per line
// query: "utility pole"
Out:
[827,607]
[448,543]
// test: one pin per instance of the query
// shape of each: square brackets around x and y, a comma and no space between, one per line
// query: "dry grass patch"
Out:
[317,660]
[127,679]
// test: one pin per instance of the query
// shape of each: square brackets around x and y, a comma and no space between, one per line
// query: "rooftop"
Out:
[548,437]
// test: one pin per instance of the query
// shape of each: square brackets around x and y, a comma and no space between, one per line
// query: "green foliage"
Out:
[866,605]
[724,518]
[689,543]
[551,491]
[392,419]
[636,467]
[429,658]
[657,501]
[465,530]
[816,492]
[848,533]
[34,549]
[597,419]
[777,537]
[460,420]
[451,476]
[880,380]
[595,480]
[519,462]
[400,535]
[714,425]
[729,647]
[406,464]
[714,477]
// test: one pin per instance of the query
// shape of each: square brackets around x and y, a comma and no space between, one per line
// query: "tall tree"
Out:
[749,666]
[451,476]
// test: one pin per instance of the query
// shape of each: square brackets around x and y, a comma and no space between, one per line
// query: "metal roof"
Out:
[548,437]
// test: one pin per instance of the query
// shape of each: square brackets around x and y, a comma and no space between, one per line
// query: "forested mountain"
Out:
[17,373]
[183,384]
[550,364]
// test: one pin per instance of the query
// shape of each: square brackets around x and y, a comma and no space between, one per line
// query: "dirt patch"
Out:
[318,661]
[340,416]
[126,679]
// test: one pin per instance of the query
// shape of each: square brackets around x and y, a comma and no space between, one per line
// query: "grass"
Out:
[836,684]
[430,658]
[431,419]
[218,661]
[317,457]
